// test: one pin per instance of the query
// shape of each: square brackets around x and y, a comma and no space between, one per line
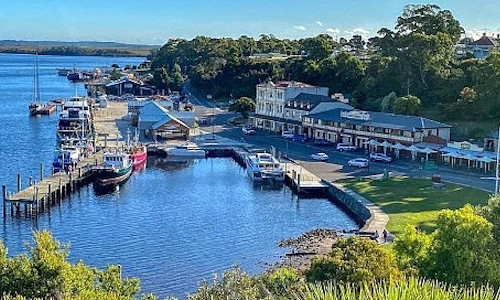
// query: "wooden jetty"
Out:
[38,196]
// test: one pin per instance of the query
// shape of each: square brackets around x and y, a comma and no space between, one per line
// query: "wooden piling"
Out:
[41,171]
[19,186]
[4,197]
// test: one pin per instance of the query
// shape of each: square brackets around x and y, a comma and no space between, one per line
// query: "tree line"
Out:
[416,60]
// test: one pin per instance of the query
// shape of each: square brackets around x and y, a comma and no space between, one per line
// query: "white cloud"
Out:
[299,27]
[319,23]
[332,31]
[478,33]
[365,33]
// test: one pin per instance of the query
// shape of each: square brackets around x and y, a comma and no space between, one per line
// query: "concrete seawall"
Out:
[373,218]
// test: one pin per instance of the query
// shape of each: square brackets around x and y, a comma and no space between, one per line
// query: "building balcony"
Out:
[370,134]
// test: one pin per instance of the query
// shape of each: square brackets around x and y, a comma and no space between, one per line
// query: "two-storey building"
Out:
[358,127]
[305,104]
[271,99]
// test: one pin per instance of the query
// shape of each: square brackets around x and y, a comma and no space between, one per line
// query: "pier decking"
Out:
[40,195]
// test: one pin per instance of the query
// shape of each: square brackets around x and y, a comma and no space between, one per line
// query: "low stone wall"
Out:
[371,215]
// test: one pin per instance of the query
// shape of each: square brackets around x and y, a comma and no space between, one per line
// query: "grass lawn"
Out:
[414,201]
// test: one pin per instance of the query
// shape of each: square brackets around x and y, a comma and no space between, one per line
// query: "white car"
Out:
[381,157]
[248,130]
[320,156]
[358,162]
[287,134]
[346,147]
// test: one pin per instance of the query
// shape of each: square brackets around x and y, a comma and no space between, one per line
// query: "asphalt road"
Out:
[337,160]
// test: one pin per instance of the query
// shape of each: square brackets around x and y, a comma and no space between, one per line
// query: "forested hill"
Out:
[76,48]
[417,57]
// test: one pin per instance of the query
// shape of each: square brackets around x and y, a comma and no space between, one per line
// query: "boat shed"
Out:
[126,85]
[158,123]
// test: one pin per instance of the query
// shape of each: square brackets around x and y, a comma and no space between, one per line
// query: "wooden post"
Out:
[49,196]
[18,182]
[41,171]
[70,181]
[4,197]
[31,180]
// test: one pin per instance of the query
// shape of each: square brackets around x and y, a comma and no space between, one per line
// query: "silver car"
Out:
[358,162]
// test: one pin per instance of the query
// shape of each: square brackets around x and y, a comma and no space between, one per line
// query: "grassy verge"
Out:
[415,202]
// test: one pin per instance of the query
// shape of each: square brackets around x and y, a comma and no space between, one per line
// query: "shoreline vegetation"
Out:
[76,48]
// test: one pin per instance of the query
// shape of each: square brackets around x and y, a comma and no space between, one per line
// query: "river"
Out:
[173,224]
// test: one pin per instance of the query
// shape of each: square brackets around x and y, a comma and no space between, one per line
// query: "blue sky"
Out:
[155,21]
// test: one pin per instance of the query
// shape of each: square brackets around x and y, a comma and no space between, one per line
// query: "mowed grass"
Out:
[415,202]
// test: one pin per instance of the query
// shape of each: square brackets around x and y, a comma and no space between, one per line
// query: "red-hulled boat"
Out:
[139,154]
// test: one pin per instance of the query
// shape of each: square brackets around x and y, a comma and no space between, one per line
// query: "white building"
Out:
[271,99]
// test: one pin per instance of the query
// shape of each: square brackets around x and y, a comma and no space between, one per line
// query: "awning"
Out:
[386,144]
[399,146]
[427,151]
[374,143]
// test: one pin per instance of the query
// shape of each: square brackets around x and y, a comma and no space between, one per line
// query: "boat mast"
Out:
[36,82]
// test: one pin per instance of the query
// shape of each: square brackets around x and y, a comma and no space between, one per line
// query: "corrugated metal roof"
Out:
[383,120]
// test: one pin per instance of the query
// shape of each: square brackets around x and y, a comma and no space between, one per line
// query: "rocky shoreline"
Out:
[306,246]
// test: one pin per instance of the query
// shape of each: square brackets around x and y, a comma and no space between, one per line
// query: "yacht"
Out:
[263,166]
[74,122]
[187,150]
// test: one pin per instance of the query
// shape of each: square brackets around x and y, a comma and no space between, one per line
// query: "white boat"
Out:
[187,150]
[67,157]
[74,122]
[263,166]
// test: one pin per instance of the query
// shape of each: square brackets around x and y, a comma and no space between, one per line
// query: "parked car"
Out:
[299,138]
[320,156]
[287,134]
[248,130]
[346,147]
[358,162]
[323,143]
[381,157]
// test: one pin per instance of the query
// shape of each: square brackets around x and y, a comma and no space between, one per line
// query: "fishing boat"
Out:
[187,150]
[75,121]
[63,71]
[116,169]
[262,166]
[73,75]
[67,157]
[139,154]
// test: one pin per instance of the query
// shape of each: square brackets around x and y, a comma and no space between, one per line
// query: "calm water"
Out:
[173,224]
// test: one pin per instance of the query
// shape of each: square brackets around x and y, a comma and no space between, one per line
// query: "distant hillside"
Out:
[76,48]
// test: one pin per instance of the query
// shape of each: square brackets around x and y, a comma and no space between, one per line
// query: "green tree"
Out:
[463,249]
[280,281]
[243,105]
[161,79]
[234,284]
[387,103]
[353,260]
[115,74]
[319,47]
[177,81]
[407,105]
[412,248]
[491,212]
[45,273]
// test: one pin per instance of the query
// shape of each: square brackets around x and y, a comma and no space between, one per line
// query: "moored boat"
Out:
[187,150]
[67,158]
[139,154]
[116,169]
[263,166]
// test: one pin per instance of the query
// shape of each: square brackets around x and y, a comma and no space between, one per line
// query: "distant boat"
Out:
[73,75]
[116,169]
[63,71]
[36,107]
